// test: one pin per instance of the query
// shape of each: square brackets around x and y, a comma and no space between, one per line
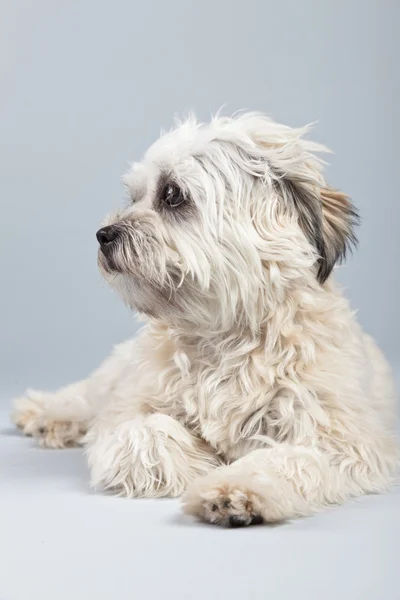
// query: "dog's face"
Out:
[223,218]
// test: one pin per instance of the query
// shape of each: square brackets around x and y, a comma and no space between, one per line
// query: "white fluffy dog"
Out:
[252,386]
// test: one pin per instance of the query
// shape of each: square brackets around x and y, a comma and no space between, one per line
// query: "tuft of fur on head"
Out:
[251,214]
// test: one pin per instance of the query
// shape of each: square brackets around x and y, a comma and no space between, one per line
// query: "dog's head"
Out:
[223,218]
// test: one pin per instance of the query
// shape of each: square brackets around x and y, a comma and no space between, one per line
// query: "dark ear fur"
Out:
[327,217]
[339,218]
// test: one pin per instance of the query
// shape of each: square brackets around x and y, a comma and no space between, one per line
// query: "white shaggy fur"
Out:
[251,385]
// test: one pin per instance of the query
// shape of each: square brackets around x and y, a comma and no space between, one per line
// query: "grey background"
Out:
[85,87]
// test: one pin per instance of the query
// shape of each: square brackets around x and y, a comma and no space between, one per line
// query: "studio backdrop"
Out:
[87,86]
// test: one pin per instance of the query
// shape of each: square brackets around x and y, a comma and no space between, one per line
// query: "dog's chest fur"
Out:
[226,392]
[239,392]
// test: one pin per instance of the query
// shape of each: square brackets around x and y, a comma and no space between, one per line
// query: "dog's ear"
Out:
[339,218]
[327,217]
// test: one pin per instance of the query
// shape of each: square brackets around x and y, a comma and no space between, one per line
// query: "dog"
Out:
[251,389]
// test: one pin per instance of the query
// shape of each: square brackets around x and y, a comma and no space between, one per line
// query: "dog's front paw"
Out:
[31,415]
[222,499]
[29,410]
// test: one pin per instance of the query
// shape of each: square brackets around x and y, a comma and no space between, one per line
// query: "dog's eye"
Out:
[172,195]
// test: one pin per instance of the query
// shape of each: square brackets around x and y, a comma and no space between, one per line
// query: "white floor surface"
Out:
[60,540]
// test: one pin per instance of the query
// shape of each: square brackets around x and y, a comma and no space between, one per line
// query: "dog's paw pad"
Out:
[28,410]
[32,417]
[228,504]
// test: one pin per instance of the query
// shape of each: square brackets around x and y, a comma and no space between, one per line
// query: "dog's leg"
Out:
[271,485]
[147,455]
[61,419]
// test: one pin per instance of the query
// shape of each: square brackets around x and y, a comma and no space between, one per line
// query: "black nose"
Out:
[106,236]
